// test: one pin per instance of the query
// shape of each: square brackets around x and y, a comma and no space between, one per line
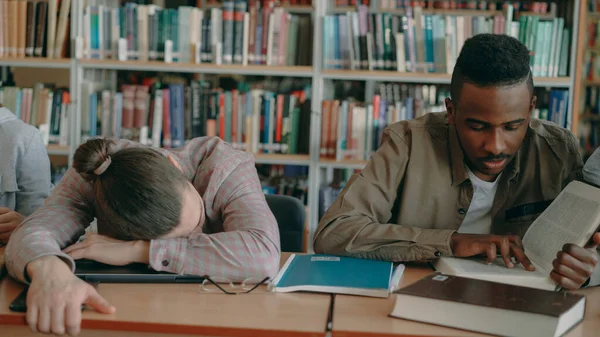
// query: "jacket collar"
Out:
[6,115]
[457,159]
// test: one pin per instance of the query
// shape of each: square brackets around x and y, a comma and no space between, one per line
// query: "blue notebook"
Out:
[336,274]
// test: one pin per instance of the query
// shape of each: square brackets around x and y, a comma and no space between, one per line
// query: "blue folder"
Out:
[337,274]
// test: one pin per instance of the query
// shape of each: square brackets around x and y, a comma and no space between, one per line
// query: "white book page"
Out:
[571,218]
[477,268]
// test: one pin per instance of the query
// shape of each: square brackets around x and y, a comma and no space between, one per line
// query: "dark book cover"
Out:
[491,294]
[40,39]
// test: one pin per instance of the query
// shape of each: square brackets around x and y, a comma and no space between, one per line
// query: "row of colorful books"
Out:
[352,129]
[535,6]
[165,113]
[236,32]
[431,43]
[44,106]
[35,28]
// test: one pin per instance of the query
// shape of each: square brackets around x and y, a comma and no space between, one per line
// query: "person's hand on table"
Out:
[111,251]
[9,220]
[467,245]
[574,265]
[55,297]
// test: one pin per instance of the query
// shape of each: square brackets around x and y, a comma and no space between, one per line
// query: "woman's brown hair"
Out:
[138,190]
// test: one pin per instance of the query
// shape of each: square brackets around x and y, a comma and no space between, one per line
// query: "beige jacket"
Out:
[414,192]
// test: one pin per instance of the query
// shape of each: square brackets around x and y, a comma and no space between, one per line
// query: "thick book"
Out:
[337,274]
[488,307]
[572,217]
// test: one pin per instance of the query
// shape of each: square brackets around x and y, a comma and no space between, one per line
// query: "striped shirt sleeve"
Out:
[55,225]
[248,246]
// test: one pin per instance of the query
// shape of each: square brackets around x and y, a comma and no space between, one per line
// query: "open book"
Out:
[572,217]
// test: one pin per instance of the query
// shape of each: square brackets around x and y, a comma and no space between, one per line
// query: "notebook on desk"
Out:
[338,275]
[92,271]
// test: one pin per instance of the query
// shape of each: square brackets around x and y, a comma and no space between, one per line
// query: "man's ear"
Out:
[449,110]
[175,162]
[532,104]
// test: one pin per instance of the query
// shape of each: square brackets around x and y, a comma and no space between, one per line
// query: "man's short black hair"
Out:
[491,60]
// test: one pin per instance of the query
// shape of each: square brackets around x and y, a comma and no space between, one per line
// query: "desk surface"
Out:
[355,316]
[180,309]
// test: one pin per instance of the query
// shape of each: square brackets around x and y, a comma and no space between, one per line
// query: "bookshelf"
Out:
[428,78]
[322,82]
[204,68]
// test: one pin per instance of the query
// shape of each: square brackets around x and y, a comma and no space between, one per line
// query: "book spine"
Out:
[238,31]
[228,31]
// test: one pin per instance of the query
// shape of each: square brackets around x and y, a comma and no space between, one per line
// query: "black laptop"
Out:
[96,272]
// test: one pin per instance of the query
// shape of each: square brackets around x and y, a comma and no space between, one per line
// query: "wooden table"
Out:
[355,316]
[147,310]
[178,309]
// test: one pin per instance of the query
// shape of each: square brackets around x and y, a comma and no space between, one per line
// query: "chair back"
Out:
[291,216]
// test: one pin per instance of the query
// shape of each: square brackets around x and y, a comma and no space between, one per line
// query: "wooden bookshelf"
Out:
[342,164]
[299,9]
[205,68]
[35,62]
[57,150]
[282,159]
[423,78]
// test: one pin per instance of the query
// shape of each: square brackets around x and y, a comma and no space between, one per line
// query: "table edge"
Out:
[171,328]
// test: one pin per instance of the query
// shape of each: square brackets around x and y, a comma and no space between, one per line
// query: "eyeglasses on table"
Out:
[228,287]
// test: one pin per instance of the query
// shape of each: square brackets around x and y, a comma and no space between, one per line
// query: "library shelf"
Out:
[204,68]
[57,150]
[282,159]
[35,62]
[342,164]
[422,78]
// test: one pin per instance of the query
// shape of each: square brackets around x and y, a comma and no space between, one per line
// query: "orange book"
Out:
[222,116]
[333,126]
[166,118]
[279,126]
[234,119]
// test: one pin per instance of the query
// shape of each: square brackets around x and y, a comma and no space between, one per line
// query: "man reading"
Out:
[466,182]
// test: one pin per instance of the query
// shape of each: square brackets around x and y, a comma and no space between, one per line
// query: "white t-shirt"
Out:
[478,219]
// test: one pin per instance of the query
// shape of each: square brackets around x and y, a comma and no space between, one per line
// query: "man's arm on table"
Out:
[249,245]
[58,223]
[356,223]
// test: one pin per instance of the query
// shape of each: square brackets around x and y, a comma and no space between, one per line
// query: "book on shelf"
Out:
[44,106]
[425,42]
[35,28]
[167,113]
[488,307]
[552,105]
[230,32]
[571,218]
[338,275]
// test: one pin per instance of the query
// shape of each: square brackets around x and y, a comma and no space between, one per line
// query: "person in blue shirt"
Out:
[24,172]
